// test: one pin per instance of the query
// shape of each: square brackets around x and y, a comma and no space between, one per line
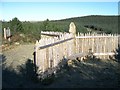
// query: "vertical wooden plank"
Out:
[77,48]
[47,57]
[117,42]
[103,42]
[71,47]
[60,51]
[103,39]
[74,45]
[58,57]
[111,47]
[97,46]
[51,60]
[53,55]
[82,43]
[93,45]
[5,36]
[37,55]
[44,52]
[105,47]
[45,60]
[39,59]
[100,47]
[79,45]
[65,48]
[68,48]
[9,33]
[86,43]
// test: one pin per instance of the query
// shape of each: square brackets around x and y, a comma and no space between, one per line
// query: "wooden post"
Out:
[34,55]
[72,30]
[5,37]
[47,58]
[9,34]
[105,48]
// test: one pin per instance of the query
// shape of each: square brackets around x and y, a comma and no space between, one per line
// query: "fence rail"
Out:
[51,33]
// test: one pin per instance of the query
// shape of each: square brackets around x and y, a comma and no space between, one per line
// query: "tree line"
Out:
[104,24]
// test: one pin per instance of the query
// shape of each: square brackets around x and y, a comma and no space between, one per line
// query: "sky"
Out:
[40,11]
[60,0]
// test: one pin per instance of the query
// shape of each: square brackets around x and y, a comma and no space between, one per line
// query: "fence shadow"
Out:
[49,76]
[91,73]
[117,56]
[78,75]
[2,58]
[25,77]
[27,70]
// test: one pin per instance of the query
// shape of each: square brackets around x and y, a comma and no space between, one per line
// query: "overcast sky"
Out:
[39,11]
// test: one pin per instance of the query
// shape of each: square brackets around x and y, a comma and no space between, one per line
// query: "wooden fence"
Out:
[50,51]
[102,45]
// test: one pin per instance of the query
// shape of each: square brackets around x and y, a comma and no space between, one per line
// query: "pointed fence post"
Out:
[72,30]
[5,37]
[36,55]
[8,34]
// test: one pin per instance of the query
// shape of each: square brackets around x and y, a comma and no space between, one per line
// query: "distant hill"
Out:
[108,24]
[32,30]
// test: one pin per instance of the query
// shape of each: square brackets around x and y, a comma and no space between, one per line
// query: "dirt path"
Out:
[18,55]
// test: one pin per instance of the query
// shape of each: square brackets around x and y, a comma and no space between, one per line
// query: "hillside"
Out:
[108,24]
[32,30]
